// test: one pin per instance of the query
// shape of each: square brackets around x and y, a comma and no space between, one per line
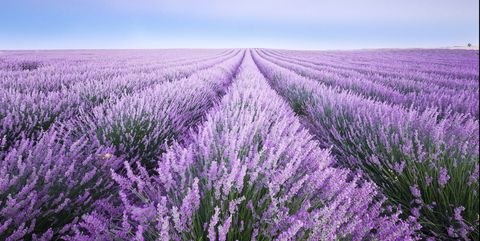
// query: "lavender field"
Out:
[239,144]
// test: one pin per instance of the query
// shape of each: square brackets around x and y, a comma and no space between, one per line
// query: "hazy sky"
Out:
[297,24]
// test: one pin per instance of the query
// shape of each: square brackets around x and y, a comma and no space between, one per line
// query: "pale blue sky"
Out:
[298,24]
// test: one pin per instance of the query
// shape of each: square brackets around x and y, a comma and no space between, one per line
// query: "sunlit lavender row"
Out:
[239,144]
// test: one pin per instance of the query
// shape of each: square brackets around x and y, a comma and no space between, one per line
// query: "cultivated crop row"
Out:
[427,165]
[26,113]
[48,182]
[413,91]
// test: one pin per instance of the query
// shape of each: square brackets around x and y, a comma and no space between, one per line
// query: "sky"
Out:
[297,24]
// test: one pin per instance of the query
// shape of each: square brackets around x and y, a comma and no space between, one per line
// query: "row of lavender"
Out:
[50,179]
[453,92]
[444,67]
[249,172]
[423,159]
[52,70]
[33,100]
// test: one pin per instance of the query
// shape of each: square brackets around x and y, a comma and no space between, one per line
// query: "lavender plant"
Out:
[46,185]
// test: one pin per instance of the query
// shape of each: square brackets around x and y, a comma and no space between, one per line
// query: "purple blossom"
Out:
[415,191]
[212,234]
[458,213]
[139,233]
[443,176]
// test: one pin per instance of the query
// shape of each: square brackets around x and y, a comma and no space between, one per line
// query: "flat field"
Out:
[239,144]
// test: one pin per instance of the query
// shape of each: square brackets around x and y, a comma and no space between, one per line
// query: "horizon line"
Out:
[453,47]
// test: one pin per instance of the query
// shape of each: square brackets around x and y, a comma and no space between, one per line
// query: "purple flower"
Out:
[139,233]
[415,191]
[212,234]
[458,213]
[443,177]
